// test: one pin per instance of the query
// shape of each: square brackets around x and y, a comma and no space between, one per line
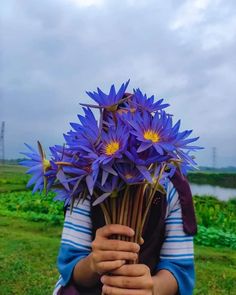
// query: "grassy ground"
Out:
[28,261]
[12,178]
[27,257]
[215,271]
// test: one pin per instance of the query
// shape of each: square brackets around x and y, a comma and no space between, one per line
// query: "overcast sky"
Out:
[183,51]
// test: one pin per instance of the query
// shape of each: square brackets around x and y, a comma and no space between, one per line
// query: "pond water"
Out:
[221,193]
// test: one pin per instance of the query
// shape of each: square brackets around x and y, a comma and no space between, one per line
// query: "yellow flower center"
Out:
[46,164]
[133,109]
[112,147]
[128,176]
[151,135]
[112,108]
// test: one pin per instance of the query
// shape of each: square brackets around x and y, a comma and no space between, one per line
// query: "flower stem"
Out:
[138,232]
[105,213]
[123,204]
[135,209]
[128,214]
[113,210]
[126,210]
[150,199]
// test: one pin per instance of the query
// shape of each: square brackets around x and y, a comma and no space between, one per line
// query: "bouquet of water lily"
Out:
[119,160]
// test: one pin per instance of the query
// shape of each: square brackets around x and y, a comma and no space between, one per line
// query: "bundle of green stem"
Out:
[130,207]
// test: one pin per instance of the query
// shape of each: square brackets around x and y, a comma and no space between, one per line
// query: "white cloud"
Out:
[209,23]
[190,13]
[53,51]
[87,3]
[219,34]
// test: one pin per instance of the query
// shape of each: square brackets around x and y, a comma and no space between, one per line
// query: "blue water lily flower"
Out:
[145,160]
[38,165]
[134,141]
[85,137]
[182,147]
[181,140]
[81,169]
[114,143]
[63,195]
[153,131]
[111,100]
[129,173]
[141,102]
[110,189]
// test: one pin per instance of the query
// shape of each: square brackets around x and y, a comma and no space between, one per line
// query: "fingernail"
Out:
[102,279]
[138,246]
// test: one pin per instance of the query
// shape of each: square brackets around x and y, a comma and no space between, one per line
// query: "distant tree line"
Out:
[217,179]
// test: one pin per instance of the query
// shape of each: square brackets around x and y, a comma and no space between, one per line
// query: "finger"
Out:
[141,241]
[108,290]
[115,229]
[126,282]
[114,255]
[116,245]
[132,270]
[108,266]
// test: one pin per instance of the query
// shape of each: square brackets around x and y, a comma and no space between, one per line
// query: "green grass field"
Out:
[28,257]
[30,229]
[29,251]
[12,178]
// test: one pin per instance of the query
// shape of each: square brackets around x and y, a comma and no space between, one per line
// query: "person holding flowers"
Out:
[129,216]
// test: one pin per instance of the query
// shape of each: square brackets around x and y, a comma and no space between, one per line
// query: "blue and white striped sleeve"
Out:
[177,250]
[75,241]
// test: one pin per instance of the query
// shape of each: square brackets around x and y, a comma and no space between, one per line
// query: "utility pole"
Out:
[2,146]
[214,157]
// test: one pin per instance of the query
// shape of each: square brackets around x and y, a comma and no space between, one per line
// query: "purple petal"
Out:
[100,199]
[90,183]
[104,177]
[34,179]
[145,173]
[144,146]
[63,180]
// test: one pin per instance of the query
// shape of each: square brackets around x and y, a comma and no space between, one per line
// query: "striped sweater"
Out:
[176,253]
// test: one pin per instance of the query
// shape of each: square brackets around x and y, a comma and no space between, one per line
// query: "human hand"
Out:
[108,254]
[129,279]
